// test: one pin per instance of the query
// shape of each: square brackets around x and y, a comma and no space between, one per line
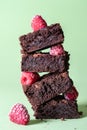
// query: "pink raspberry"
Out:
[28,78]
[19,114]
[38,23]
[71,94]
[56,50]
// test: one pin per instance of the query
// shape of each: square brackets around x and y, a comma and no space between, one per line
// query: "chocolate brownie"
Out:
[49,86]
[44,62]
[41,39]
[57,108]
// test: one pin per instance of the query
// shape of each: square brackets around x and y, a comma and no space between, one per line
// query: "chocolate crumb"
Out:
[62,119]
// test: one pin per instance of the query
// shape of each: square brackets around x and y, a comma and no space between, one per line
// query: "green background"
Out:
[15,18]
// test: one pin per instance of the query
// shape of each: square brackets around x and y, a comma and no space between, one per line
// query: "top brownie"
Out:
[41,39]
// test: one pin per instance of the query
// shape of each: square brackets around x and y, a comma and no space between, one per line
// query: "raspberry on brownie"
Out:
[38,23]
[28,78]
[71,94]
[57,50]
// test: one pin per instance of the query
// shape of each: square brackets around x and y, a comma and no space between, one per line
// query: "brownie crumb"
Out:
[62,119]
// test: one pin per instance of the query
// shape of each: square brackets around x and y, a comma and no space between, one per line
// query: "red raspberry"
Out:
[71,94]
[38,23]
[28,78]
[56,50]
[19,114]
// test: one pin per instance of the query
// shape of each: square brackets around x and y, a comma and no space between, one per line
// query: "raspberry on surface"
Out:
[71,94]
[57,50]
[28,78]
[38,23]
[19,114]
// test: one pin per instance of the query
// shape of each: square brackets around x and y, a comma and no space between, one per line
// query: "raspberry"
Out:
[19,114]
[28,78]
[38,23]
[56,50]
[71,94]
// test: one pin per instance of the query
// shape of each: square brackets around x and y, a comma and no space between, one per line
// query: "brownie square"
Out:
[41,39]
[57,108]
[49,86]
[44,62]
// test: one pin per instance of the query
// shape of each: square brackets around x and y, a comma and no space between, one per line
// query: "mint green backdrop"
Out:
[15,18]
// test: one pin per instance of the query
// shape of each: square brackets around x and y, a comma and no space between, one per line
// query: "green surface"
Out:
[15,17]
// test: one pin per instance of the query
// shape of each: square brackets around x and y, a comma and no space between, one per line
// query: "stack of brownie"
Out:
[52,96]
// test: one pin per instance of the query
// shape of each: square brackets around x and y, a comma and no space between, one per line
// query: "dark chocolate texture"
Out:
[44,62]
[41,39]
[57,108]
[49,86]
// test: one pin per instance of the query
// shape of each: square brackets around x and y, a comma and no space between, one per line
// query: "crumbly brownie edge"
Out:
[50,86]
[41,39]
[58,109]
[44,62]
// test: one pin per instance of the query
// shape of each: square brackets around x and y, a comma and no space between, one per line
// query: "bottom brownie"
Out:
[57,108]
